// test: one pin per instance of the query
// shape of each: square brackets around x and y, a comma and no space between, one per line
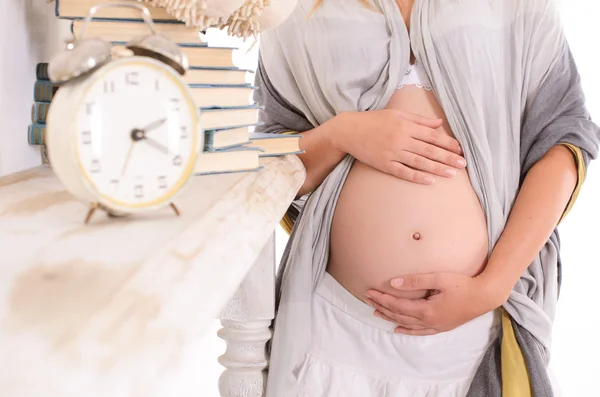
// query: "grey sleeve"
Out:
[277,115]
[557,114]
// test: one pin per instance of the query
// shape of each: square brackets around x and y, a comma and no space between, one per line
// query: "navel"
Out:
[416,236]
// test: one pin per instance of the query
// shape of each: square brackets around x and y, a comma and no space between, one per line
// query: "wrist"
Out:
[336,132]
[496,288]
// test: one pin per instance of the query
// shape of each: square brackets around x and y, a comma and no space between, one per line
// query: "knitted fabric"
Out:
[241,23]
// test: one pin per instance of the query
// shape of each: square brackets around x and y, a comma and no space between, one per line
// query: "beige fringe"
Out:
[242,23]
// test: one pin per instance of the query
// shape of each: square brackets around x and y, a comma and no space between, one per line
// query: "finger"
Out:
[436,153]
[420,332]
[421,163]
[417,282]
[402,171]
[424,121]
[398,318]
[379,314]
[411,327]
[436,137]
[407,307]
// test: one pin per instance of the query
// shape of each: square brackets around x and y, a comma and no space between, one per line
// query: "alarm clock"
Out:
[123,132]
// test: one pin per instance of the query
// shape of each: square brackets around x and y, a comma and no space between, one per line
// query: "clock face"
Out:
[136,134]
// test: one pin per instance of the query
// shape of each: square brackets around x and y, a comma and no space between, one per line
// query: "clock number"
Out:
[139,191]
[95,167]
[86,137]
[184,134]
[162,182]
[175,102]
[157,85]
[109,86]
[131,78]
[114,184]
[177,161]
[88,108]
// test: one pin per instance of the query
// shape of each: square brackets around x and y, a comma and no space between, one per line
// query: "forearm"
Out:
[320,157]
[539,205]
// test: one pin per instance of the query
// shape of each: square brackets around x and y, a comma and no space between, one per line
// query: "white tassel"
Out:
[240,21]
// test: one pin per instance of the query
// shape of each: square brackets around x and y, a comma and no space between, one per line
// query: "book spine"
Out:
[37,134]
[44,154]
[244,85]
[39,112]
[209,139]
[162,16]
[41,71]
[43,91]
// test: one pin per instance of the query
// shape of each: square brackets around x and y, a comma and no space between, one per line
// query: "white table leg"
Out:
[246,321]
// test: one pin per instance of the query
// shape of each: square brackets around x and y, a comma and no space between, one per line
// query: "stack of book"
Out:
[43,91]
[221,90]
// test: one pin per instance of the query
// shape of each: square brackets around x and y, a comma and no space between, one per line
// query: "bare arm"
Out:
[320,155]
[404,145]
[546,190]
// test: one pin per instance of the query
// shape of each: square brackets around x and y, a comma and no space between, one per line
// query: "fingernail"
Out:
[367,295]
[429,180]
[461,163]
[450,172]
[397,282]
[460,150]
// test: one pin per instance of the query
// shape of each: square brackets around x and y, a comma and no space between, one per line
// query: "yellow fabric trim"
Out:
[287,224]
[515,377]
[581,172]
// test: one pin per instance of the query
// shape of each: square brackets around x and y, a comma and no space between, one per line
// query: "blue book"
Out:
[41,71]
[43,91]
[123,31]
[227,138]
[78,9]
[217,75]
[275,145]
[36,134]
[39,112]
[204,55]
[222,95]
[224,118]
[238,159]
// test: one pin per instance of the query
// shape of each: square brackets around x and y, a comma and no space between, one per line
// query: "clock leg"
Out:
[93,209]
[175,209]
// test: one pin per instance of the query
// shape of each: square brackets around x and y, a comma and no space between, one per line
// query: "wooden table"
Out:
[115,308]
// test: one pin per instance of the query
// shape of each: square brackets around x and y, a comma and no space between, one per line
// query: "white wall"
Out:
[30,34]
[576,349]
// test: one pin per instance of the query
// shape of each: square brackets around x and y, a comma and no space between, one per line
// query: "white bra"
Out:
[415,75]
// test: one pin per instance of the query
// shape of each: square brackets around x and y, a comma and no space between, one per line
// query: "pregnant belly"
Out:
[385,227]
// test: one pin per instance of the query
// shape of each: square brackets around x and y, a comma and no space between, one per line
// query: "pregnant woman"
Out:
[444,140]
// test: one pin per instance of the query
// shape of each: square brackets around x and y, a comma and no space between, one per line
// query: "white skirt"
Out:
[355,354]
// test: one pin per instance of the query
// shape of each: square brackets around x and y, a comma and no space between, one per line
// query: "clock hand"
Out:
[157,145]
[127,159]
[154,124]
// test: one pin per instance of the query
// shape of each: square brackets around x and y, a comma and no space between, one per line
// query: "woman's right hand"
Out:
[405,145]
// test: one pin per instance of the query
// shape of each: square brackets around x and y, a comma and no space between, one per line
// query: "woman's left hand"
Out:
[455,300]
